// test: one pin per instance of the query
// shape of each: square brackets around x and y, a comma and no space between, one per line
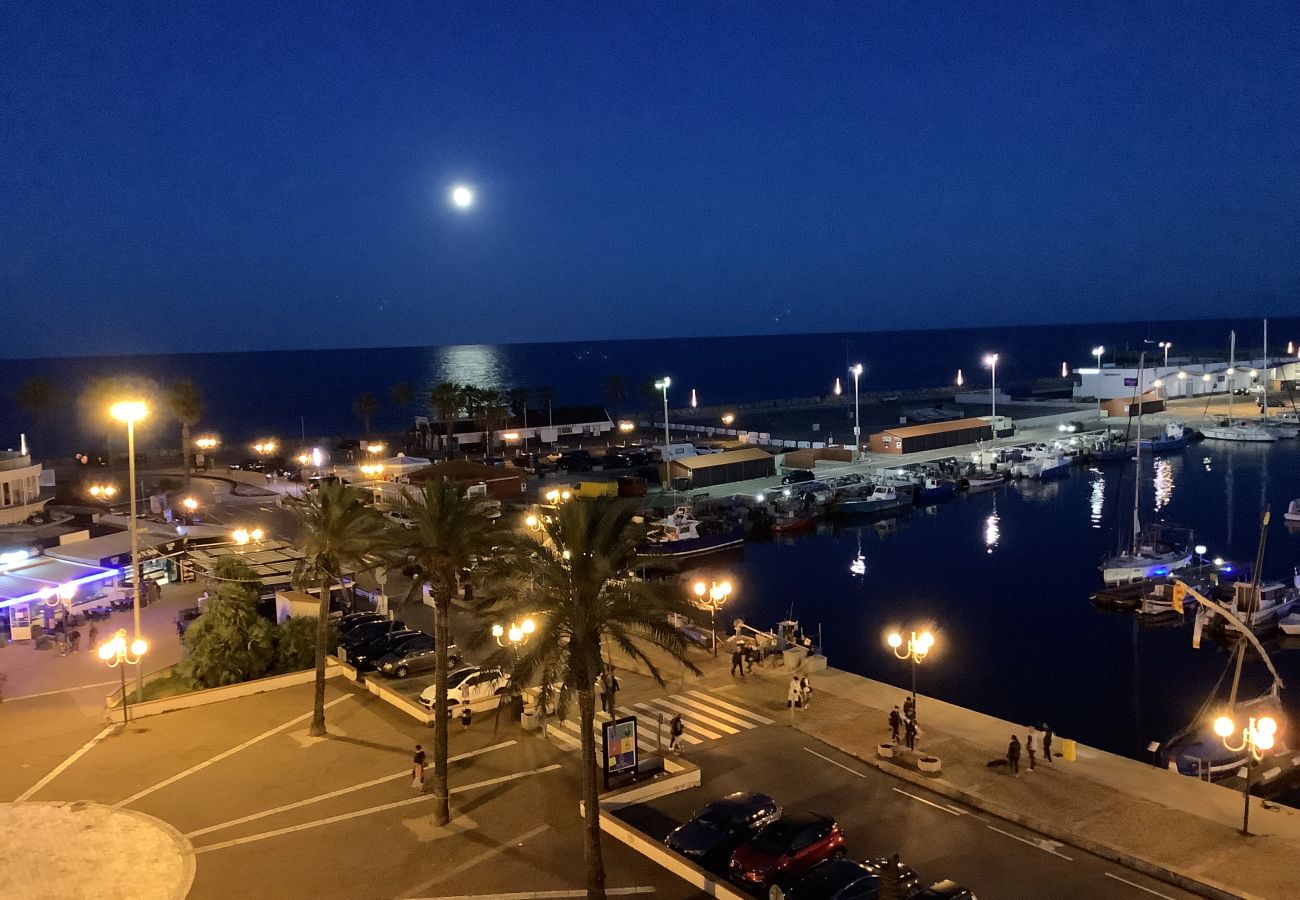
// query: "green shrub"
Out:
[295,643]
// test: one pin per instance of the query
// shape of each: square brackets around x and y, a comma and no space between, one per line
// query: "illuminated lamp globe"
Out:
[462,197]
[925,641]
[1223,726]
[1266,725]
[528,626]
[497,631]
[106,651]
[1264,741]
[895,640]
[139,647]
[700,588]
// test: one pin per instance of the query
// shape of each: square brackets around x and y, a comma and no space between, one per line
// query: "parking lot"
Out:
[882,816]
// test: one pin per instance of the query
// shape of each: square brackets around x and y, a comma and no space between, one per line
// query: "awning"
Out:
[43,578]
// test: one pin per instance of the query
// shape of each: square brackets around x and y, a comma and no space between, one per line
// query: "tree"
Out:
[546,394]
[615,392]
[649,393]
[517,397]
[38,396]
[403,395]
[578,591]
[230,642]
[365,406]
[186,405]
[451,533]
[447,399]
[295,643]
[340,533]
[489,407]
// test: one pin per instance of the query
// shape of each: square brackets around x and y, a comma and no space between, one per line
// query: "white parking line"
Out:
[545,895]
[834,763]
[373,809]
[927,802]
[1030,842]
[67,690]
[1138,886]
[339,793]
[516,841]
[80,752]
[220,756]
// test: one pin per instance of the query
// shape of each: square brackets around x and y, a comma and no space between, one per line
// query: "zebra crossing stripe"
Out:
[763,720]
[688,738]
[688,712]
[688,719]
[565,738]
[723,717]
[644,731]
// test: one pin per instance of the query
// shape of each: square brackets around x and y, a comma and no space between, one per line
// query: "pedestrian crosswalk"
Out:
[706,717]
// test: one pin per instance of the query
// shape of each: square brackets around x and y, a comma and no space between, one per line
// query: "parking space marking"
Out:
[220,756]
[1138,886]
[339,793]
[545,895]
[80,752]
[383,807]
[834,763]
[927,802]
[470,863]
[67,690]
[762,720]
[1031,842]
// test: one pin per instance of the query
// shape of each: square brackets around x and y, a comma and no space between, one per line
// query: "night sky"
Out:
[222,176]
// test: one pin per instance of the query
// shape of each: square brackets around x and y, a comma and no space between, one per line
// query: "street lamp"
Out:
[991,360]
[1165,345]
[1097,352]
[375,447]
[102,491]
[728,419]
[662,385]
[130,412]
[1200,553]
[918,647]
[119,655]
[1257,739]
[837,390]
[711,596]
[462,197]
[264,447]
[191,506]
[857,426]
[514,636]
[241,536]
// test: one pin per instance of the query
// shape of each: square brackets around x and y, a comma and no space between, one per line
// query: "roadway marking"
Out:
[688,713]
[1138,886]
[473,861]
[927,802]
[544,895]
[740,709]
[656,713]
[687,721]
[1031,842]
[332,794]
[834,763]
[220,756]
[80,752]
[717,713]
[80,687]
[383,807]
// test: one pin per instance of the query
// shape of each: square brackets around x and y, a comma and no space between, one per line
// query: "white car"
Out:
[401,518]
[483,683]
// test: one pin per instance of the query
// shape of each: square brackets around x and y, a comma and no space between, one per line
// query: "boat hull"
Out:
[697,546]
[1124,569]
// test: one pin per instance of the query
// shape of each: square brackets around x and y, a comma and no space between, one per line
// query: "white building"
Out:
[1112,382]
[20,487]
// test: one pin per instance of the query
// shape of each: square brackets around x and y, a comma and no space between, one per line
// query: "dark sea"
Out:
[249,395]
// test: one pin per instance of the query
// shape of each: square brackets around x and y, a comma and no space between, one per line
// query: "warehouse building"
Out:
[721,468]
[931,436]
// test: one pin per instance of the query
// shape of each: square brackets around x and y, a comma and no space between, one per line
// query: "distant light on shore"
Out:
[462,197]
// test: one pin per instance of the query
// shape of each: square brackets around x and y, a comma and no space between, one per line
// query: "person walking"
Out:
[94,636]
[612,685]
[738,662]
[909,708]
[1047,742]
[675,730]
[805,691]
[794,694]
[895,723]
[466,710]
[909,731]
[417,769]
[1013,756]
[1029,747]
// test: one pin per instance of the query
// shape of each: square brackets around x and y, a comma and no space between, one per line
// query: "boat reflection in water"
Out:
[1097,499]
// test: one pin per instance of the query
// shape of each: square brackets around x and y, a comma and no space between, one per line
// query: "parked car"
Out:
[787,848]
[401,518]
[575,461]
[723,825]
[836,879]
[615,459]
[368,654]
[797,476]
[417,655]
[483,683]
[898,873]
[945,890]
[359,633]
[352,620]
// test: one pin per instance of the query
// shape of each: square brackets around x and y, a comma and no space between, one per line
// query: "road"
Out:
[883,815]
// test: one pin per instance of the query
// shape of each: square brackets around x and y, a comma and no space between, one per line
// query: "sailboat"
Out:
[1228,429]
[1274,427]
[1157,551]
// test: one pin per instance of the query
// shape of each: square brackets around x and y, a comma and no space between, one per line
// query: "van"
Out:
[677,451]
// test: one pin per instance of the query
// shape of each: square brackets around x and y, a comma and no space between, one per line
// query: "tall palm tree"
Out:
[341,533]
[578,590]
[615,392]
[365,406]
[450,534]
[186,404]
[447,398]
[492,412]
[38,396]
[403,394]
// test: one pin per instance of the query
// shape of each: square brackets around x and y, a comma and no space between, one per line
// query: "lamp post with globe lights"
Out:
[130,412]
[857,424]
[711,596]
[1256,738]
[918,647]
[118,654]
[1097,352]
[662,385]
[991,360]
[512,637]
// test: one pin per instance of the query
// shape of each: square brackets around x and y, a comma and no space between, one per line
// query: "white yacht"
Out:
[1239,430]
[1041,461]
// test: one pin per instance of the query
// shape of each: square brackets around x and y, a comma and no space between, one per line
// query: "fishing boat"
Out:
[1289,625]
[1292,513]
[1261,607]
[791,524]
[1173,437]
[682,535]
[1237,430]
[980,481]
[1040,461]
[1116,451]
[932,488]
[884,498]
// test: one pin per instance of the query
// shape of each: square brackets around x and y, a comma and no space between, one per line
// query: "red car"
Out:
[788,847]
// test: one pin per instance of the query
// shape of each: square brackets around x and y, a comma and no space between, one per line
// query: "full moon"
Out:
[462,196]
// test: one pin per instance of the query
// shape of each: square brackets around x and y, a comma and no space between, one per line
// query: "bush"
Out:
[230,642]
[295,643]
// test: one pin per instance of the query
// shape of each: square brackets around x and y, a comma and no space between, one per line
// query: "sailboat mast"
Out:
[1232,368]
[1266,371]
[1137,469]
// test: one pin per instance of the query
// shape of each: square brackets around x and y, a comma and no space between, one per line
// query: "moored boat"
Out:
[1172,437]
[1292,513]
[682,535]
[936,488]
[883,498]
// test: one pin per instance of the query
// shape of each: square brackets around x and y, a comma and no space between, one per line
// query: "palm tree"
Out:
[341,533]
[450,533]
[517,397]
[365,406]
[546,394]
[615,392]
[403,395]
[493,413]
[38,396]
[578,591]
[186,405]
[447,399]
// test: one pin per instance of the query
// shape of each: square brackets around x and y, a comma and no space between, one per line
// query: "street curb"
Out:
[1195,884]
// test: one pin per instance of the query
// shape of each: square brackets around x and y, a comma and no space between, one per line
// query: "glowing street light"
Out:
[728,419]
[711,596]
[960,378]
[1257,738]
[462,197]
[626,427]
[190,505]
[265,446]
[102,491]
[662,385]
[918,647]
[130,412]
[241,536]
[856,369]
[991,360]
[1165,345]
[207,442]
[1097,352]
[118,654]
[375,447]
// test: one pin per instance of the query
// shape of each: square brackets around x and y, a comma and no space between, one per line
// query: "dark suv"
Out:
[367,655]
[416,655]
[575,461]
[797,476]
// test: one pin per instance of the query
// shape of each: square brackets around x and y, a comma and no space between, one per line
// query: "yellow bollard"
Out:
[1068,750]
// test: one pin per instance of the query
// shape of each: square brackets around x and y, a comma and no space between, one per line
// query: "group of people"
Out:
[743,657]
[799,694]
[1035,740]
[904,722]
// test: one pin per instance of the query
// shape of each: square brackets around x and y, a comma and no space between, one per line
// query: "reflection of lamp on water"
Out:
[118,655]
[1257,739]
[859,564]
